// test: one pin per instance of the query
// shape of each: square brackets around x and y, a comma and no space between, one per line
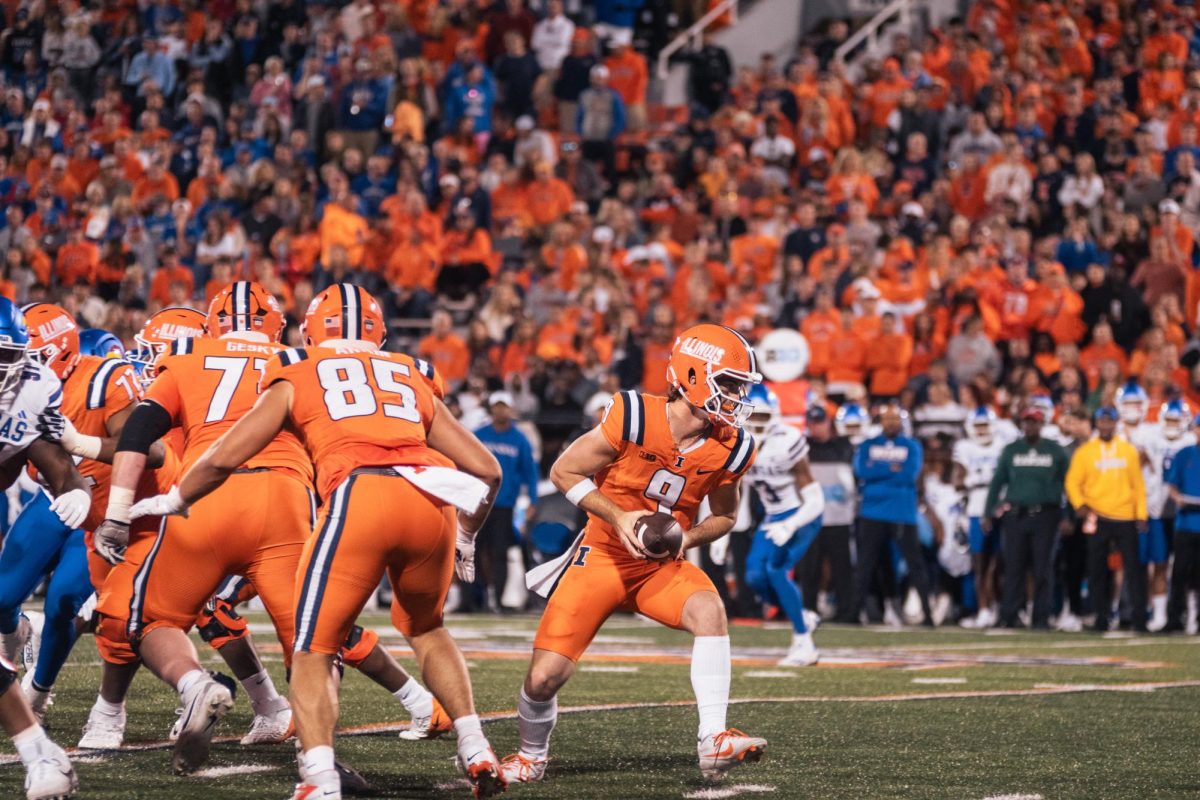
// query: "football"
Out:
[661,536]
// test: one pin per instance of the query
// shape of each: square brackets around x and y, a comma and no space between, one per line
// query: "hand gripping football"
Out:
[660,535]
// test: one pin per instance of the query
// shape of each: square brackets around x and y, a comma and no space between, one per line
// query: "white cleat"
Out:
[1068,623]
[812,620]
[103,731]
[321,786]
[12,645]
[483,772]
[51,777]
[519,768]
[722,752]
[802,653]
[204,704]
[39,700]
[173,734]
[431,727]
[273,727]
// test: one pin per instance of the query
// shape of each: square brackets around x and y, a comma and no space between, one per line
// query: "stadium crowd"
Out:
[1002,212]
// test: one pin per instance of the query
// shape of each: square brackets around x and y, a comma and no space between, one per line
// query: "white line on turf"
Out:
[936,681]
[720,792]
[769,673]
[237,769]
[607,668]
[1014,797]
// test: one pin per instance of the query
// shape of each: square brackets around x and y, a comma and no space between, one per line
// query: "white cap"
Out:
[636,253]
[1168,207]
[41,103]
[817,154]
[500,397]
[622,37]
[315,80]
[657,251]
[599,71]
[58,161]
[448,180]
[602,234]
[524,123]
[866,290]
[913,209]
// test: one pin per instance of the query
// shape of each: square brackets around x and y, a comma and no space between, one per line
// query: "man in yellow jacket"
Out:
[1104,484]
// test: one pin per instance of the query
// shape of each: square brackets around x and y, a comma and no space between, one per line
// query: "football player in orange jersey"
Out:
[255,527]
[383,443]
[650,454]
[98,395]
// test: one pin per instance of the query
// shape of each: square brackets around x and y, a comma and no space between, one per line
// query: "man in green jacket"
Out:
[1030,475]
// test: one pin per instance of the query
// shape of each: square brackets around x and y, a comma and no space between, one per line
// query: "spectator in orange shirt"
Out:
[629,77]
[60,182]
[1102,349]
[467,257]
[883,95]
[656,351]
[564,256]
[819,328]
[888,357]
[411,274]
[868,322]
[221,276]
[170,271]
[547,198]
[757,251]
[444,349]
[156,181]
[77,259]
[1016,301]
[829,262]
[342,225]
[847,357]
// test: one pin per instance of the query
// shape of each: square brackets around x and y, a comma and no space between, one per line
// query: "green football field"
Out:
[888,714]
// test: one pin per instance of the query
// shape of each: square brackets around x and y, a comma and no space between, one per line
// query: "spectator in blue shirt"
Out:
[473,97]
[1077,250]
[515,454]
[888,467]
[151,64]
[1182,477]
[364,108]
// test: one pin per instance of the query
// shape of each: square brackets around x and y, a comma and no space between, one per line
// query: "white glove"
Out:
[464,556]
[72,507]
[780,533]
[718,550]
[110,540]
[161,505]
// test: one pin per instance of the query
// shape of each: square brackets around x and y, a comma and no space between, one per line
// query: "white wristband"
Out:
[119,501]
[580,490]
[81,444]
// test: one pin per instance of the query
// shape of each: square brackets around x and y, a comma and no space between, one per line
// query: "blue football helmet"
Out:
[764,409]
[14,345]
[1133,403]
[981,425]
[99,342]
[1175,416]
[851,420]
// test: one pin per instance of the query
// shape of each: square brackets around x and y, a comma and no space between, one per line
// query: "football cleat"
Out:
[483,772]
[204,704]
[802,653]
[12,645]
[51,777]
[721,752]
[353,783]
[40,700]
[518,768]
[322,786]
[431,727]
[273,727]
[103,731]
[812,620]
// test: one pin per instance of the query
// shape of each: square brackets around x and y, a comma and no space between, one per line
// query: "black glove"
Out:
[51,425]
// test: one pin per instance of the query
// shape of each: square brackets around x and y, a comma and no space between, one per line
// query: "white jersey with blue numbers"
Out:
[779,451]
[979,461]
[38,391]
[1166,450]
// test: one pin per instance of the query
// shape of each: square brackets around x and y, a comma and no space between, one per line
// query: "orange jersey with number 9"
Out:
[650,472]
[357,408]
[207,385]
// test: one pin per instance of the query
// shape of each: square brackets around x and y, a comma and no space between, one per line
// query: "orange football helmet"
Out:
[245,306]
[157,334]
[344,311]
[713,367]
[53,337]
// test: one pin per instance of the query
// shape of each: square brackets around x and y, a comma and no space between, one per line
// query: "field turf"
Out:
[911,714]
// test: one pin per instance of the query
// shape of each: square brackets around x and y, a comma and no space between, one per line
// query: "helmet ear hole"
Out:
[692,376]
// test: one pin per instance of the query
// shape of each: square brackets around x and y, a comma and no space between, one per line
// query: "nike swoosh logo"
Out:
[728,751]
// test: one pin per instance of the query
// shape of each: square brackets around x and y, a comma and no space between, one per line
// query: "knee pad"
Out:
[112,640]
[219,624]
[359,644]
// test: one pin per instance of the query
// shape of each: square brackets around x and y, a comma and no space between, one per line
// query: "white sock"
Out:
[315,761]
[108,709]
[710,682]
[1159,603]
[415,698]
[32,743]
[470,736]
[191,679]
[261,691]
[537,718]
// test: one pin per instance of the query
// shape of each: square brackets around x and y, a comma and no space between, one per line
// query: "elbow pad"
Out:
[812,498]
[148,423]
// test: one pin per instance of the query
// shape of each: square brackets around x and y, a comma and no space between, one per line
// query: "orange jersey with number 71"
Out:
[207,385]
[358,408]
[651,473]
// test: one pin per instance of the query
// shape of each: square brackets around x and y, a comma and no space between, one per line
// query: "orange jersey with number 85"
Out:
[650,472]
[207,385]
[357,408]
